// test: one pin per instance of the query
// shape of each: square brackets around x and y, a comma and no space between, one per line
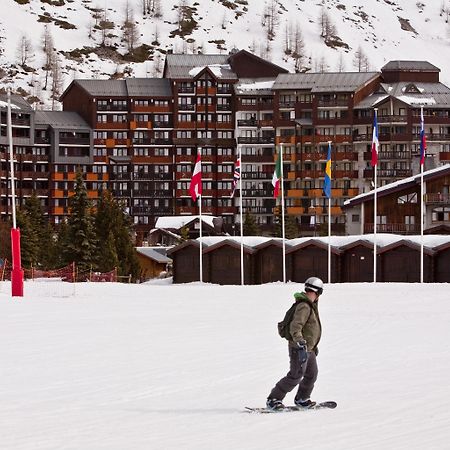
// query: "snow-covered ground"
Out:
[114,366]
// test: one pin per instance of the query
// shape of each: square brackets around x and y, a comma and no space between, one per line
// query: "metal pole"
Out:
[11,161]
[421,203]
[375,216]
[282,214]
[241,217]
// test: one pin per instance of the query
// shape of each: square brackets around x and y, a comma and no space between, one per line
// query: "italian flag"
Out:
[276,177]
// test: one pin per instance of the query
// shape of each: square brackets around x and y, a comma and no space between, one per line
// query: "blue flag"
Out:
[327,183]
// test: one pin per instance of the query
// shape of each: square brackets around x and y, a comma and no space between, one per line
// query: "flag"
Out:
[375,142]
[423,140]
[327,182]
[277,177]
[236,175]
[195,188]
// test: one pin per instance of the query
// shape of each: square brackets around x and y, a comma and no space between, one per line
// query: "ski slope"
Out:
[139,367]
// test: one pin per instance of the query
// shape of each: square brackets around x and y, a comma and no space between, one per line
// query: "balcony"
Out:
[223,107]
[332,103]
[257,175]
[74,140]
[247,123]
[286,105]
[256,140]
[437,199]
[346,156]
[388,173]
[345,174]
[186,107]
[398,228]
[186,89]
[162,124]
[392,119]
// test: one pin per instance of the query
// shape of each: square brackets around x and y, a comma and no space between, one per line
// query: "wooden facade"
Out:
[357,262]
[267,262]
[224,263]
[400,262]
[442,264]
[351,263]
[310,259]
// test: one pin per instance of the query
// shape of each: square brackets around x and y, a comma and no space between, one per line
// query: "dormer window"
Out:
[411,89]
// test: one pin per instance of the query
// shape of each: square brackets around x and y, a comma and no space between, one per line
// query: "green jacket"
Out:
[306,322]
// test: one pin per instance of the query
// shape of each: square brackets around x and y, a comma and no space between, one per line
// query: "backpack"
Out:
[284,325]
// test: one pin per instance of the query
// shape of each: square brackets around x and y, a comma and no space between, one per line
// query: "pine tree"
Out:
[105,223]
[81,239]
[29,242]
[250,227]
[114,233]
[291,228]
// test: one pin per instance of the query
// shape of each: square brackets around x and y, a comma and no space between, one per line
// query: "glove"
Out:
[302,351]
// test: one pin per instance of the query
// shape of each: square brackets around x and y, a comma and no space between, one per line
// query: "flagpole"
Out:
[375,205]
[201,245]
[241,215]
[329,228]
[422,154]
[17,271]
[282,215]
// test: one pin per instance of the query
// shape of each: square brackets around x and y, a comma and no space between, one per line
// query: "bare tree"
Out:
[57,81]
[24,50]
[130,29]
[270,18]
[105,25]
[152,8]
[341,63]
[47,46]
[361,60]
[298,48]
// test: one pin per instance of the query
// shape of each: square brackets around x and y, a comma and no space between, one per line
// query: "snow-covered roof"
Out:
[177,222]
[387,188]
[157,255]
[381,239]
[247,86]
[216,69]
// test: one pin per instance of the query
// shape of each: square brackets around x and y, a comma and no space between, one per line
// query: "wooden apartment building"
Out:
[139,138]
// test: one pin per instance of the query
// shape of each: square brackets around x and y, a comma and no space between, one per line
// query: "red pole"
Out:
[17,271]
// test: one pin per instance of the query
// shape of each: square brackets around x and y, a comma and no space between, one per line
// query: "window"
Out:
[355,218]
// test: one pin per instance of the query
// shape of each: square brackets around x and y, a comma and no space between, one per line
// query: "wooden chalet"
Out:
[398,205]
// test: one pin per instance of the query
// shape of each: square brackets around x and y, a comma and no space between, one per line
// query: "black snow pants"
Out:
[304,375]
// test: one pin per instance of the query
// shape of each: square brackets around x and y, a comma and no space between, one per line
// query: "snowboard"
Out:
[289,408]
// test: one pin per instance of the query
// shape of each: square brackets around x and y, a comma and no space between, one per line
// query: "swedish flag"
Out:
[327,183]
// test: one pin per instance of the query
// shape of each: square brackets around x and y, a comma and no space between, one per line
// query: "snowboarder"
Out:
[305,331]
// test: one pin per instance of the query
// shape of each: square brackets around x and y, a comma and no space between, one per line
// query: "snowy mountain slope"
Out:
[382,29]
[119,366]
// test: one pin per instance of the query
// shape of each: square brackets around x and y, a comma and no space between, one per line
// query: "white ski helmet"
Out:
[314,284]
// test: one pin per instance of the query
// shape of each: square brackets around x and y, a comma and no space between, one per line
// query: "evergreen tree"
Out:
[29,240]
[291,228]
[250,227]
[80,245]
[114,233]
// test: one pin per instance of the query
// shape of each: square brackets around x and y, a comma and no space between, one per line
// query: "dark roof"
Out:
[61,119]
[148,87]
[17,102]
[132,87]
[182,66]
[158,255]
[409,66]
[414,94]
[325,82]
[103,88]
